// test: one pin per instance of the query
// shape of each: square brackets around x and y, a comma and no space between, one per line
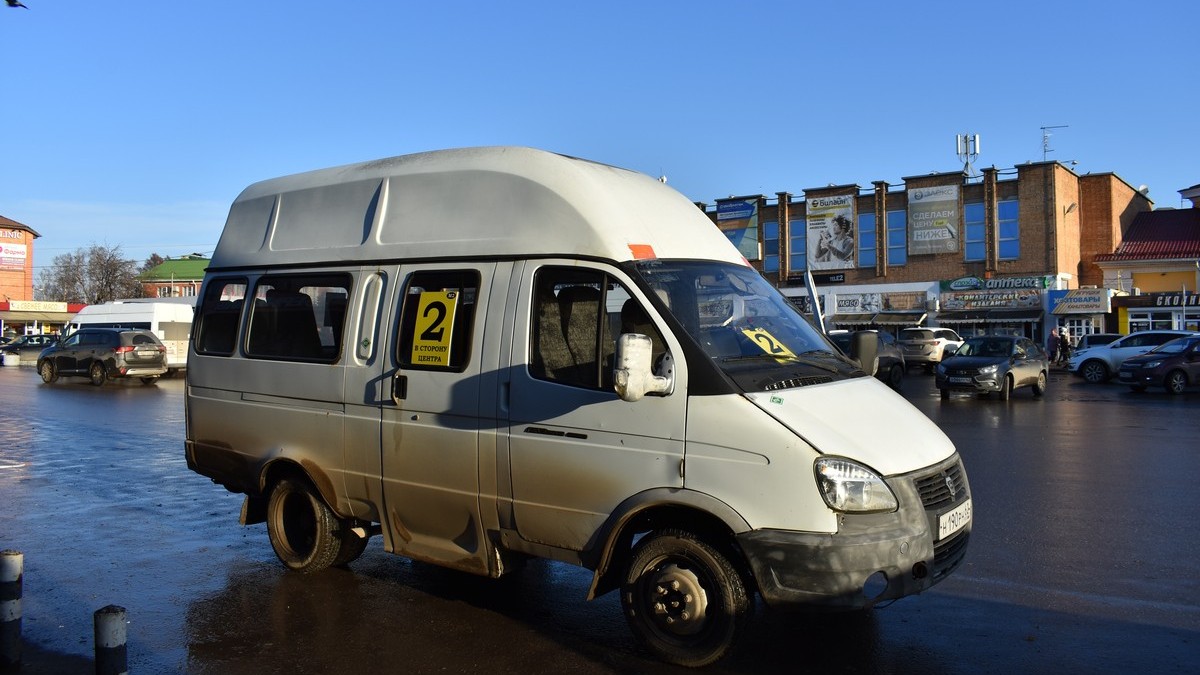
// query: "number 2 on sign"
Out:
[767,342]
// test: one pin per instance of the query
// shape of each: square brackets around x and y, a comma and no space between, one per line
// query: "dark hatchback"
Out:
[994,363]
[102,353]
[1173,365]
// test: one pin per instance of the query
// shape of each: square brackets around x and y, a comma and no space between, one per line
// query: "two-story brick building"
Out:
[980,254]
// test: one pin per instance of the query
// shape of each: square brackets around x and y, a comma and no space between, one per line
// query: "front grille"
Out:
[938,491]
[947,554]
[941,488]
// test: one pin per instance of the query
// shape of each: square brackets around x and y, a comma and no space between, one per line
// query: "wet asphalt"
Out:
[1084,557]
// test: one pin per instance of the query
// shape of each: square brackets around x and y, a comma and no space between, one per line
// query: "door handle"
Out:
[399,387]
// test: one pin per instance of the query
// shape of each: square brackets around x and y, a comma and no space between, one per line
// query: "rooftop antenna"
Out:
[968,151]
[1046,138]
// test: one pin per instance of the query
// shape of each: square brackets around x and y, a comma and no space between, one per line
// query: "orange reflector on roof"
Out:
[642,252]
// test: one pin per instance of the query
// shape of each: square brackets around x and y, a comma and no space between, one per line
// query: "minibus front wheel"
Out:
[304,531]
[684,600]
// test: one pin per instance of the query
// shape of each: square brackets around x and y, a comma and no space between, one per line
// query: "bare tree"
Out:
[92,276]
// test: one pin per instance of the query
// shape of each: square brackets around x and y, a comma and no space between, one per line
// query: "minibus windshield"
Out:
[743,323]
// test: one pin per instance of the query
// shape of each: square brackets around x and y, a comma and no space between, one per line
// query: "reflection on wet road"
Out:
[1083,556]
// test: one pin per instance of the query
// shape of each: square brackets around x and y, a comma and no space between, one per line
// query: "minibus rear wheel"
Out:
[683,599]
[303,530]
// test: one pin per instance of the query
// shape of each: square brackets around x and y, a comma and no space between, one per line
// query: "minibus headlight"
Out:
[847,485]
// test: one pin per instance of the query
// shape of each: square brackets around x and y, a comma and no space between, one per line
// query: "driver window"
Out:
[577,316]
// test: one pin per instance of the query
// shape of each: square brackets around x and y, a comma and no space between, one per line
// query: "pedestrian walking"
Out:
[1064,346]
[1052,346]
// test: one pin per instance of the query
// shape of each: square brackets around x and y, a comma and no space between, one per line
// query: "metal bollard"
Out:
[11,573]
[111,656]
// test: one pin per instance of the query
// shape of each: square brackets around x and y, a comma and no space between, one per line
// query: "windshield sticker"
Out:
[767,342]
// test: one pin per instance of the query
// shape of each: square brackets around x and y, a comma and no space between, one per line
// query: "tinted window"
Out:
[437,319]
[218,315]
[298,317]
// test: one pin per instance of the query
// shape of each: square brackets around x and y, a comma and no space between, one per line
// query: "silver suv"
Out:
[1098,364]
[926,346]
[101,353]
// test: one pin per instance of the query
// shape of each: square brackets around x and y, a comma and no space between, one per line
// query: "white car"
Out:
[926,346]
[1100,363]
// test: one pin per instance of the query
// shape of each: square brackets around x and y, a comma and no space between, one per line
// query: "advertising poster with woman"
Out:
[831,234]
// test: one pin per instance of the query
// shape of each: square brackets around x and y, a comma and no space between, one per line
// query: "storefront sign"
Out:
[859,303]
[12,256]
[909,301]
[1085,301]
[1176,299]
[991,300]
[823,279]
[977,284]
[36,306]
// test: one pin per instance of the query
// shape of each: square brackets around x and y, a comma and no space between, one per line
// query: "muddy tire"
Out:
[47,371]
[304,531]
[1006,388]
[684,600]
[97,374]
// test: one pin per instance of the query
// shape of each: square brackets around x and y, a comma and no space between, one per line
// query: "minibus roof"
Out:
[470,202]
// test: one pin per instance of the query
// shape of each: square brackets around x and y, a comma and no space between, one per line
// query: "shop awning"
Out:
[991,316]
[1014,315]
[899,318]
[45,317]
[857,319]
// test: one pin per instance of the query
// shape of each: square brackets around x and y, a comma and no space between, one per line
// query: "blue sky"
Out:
[136,123]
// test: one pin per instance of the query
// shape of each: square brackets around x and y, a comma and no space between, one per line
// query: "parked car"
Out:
[994,363]
[1089,340]
[926,346]
[103,353]
[28,346]
[1173,365]
[1099,364]
[891,357]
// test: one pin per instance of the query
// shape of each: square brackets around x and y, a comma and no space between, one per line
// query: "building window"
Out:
[770,246]
[897,237]
[1150,321]
[866,240]
[975,237]
[798,251]
[1010,230]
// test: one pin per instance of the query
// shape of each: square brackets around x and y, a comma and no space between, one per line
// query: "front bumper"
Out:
[872,558]
[980,383]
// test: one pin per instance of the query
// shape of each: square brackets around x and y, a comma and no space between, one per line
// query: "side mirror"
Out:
[864,348]
[632,376]
[950,350]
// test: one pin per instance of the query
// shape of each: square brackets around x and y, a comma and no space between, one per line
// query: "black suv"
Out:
[101,353]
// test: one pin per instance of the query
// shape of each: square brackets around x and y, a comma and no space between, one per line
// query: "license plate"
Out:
[960,380]
[953,521]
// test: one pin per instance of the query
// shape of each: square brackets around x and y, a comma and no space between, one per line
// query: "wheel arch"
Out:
[707,517]
[254,510]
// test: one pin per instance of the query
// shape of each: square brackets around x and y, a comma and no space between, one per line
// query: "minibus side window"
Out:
[436,320]
[218,316]
[298,317]
[577,316]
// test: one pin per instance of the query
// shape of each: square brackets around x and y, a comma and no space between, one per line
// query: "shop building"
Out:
[20,312]
[175,277]
[977,253]
[1156,268]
